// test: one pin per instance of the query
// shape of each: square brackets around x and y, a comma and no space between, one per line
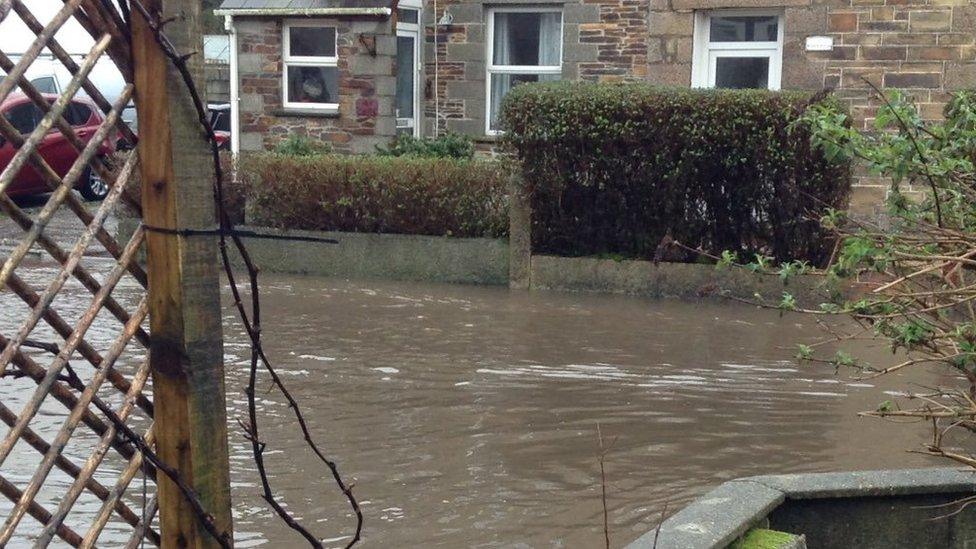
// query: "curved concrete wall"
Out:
[887,509]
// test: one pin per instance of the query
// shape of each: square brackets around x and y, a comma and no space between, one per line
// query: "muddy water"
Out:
[468,416]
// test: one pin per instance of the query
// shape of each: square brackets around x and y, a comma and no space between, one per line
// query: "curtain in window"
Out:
[501,55]
[549,38]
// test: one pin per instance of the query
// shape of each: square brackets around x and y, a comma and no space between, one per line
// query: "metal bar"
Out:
[135,541]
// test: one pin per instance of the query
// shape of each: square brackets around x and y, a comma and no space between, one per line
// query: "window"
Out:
[738,49]
[24,117]
[311,73]
[524,45]
[77,114]
[45,84]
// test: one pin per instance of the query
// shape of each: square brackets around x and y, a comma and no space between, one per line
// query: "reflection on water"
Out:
[467,416]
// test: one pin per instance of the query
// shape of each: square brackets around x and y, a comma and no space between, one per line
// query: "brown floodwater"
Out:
[468,416]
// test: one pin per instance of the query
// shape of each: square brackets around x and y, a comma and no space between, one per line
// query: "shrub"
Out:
[297,145]
[915,273]
[451,145]
[621,168]
[406,195]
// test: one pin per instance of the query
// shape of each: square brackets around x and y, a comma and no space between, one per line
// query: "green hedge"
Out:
[617,168]
[405,195]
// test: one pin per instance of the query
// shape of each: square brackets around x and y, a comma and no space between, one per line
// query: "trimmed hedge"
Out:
[617,169]
[376,194]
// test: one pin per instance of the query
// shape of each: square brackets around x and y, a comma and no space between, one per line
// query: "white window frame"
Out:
[492,68]
[706,52]
[412,30]
[305,61]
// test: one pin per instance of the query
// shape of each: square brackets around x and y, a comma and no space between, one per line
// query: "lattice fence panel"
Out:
[73,300]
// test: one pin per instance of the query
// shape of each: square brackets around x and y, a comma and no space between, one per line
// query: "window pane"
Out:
[408,16]
[45,84]
[501,84]
[312,41]
[763,28]
[528,39]
[405,77]
[313,84]
[742,72]
[77,114]
[23,117]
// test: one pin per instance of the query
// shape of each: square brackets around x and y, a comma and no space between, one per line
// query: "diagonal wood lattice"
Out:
[75,370]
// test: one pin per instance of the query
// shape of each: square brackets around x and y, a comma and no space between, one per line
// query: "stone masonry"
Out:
[926,47]
[366,51]
[602,40]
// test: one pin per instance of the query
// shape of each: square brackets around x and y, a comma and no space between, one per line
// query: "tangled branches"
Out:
[913,277]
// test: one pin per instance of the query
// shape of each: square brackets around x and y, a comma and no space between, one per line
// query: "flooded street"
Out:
[467,416]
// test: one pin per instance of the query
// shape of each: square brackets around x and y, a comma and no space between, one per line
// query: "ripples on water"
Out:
[467,416]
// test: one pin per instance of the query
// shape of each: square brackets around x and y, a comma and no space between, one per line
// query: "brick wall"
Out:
[366,87]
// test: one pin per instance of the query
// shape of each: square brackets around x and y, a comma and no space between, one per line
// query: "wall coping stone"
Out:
[725,513]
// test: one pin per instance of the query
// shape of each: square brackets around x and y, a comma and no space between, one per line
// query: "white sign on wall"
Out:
[820,43]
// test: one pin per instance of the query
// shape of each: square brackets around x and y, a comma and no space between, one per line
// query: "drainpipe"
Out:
[235,125]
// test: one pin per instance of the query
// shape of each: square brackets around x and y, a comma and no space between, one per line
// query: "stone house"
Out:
[356,73]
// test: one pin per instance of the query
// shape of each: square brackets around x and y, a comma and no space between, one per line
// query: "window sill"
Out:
[307,113]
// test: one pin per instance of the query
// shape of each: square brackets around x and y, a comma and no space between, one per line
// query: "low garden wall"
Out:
[646,278]
[389,256]
[865,509]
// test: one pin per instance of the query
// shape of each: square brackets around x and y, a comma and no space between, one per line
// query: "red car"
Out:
[83,116]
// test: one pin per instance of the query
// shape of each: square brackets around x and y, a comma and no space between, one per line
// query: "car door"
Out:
[55,148]
[24,118]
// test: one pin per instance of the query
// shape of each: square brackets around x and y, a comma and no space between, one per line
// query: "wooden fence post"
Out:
[186,353]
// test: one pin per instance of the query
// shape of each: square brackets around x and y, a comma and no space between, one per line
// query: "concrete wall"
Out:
[217,77]
[387,256]
[865,509]
[645,278]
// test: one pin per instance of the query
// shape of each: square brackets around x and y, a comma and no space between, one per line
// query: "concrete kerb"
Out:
[724,514]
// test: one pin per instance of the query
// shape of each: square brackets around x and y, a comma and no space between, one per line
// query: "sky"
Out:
[15,37]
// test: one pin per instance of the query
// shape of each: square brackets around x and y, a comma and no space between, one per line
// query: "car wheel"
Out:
[92,186]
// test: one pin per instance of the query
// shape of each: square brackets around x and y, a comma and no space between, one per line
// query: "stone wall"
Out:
[602,40]
[927,47]
[367,53]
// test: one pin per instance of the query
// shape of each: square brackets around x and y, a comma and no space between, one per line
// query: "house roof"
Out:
[289,7]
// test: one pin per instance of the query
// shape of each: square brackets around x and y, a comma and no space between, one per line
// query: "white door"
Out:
[407,101]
